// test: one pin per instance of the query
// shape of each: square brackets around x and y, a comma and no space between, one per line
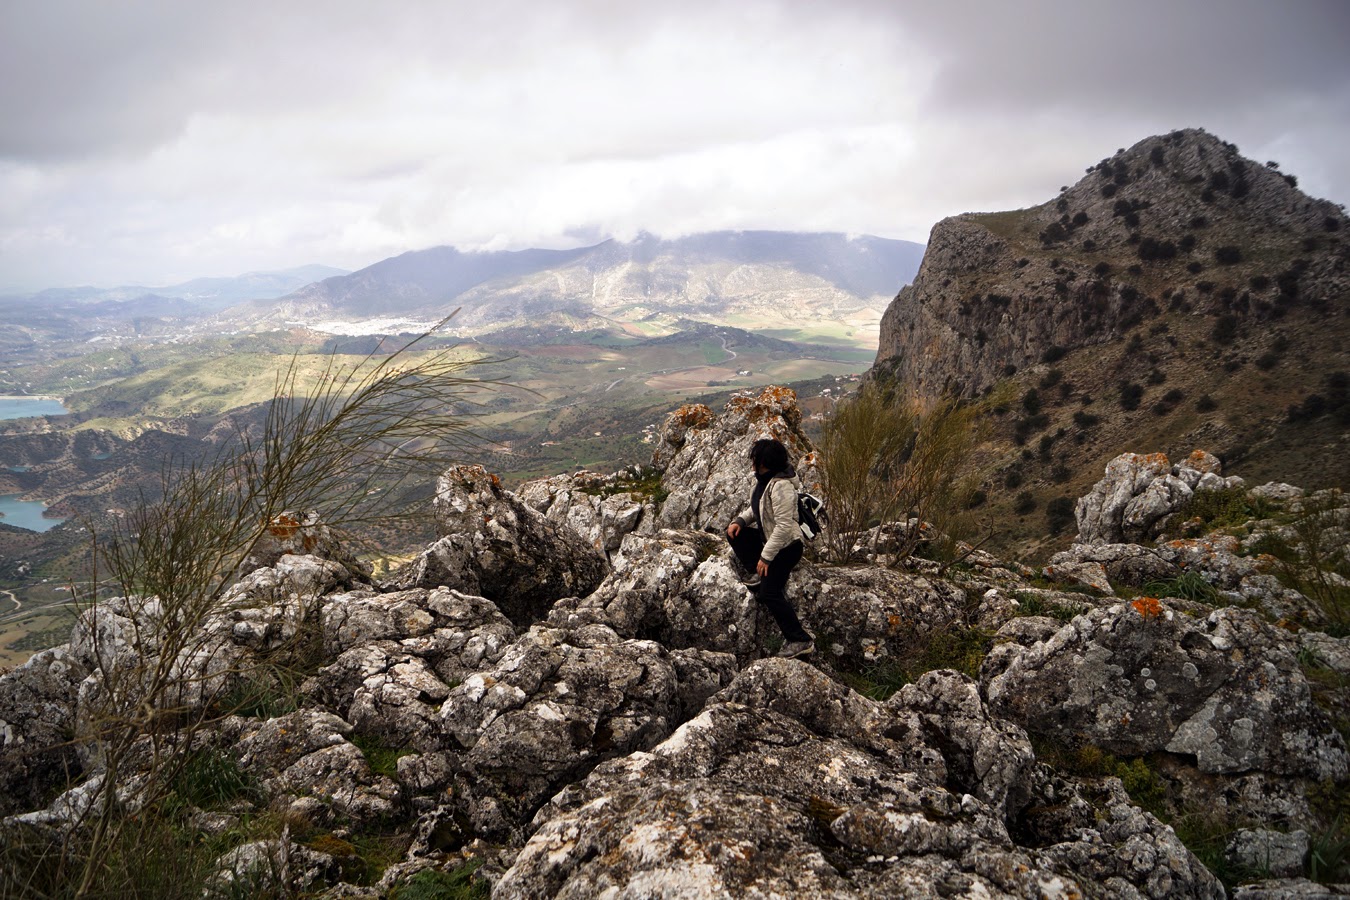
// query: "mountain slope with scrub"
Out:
[1178,295]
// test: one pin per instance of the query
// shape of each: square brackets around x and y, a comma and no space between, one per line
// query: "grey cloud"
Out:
[1146,55]
[152,139]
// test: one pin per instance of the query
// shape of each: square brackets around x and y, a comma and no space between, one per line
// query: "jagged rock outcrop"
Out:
[788,785]
[294,534]
[397,656]
[705,458]
[307,767]
[622,733]
[37,714]
[497,546]
[559,702]
[595,506]
[1133,500]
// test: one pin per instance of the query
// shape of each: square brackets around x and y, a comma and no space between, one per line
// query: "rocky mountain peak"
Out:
[1182,213]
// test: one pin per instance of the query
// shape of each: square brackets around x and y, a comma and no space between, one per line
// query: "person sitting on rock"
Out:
[767,541]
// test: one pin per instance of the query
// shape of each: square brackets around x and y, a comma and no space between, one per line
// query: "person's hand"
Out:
[733,529]
[762,568]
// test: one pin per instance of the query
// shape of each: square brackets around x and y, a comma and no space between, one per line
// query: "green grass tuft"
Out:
[435,884]
[1187,586]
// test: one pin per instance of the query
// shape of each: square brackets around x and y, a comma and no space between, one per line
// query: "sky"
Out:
[154,141]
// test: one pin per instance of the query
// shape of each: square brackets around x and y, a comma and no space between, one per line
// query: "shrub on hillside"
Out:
[1130,395]
[886,456]
[1059,514]
[1225,329]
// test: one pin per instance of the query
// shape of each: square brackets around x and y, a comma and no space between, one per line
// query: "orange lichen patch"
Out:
[1199,460]
[1157,461]
[775,393]
[1148,607]
[693,415]
[283,526]
[496,482]
[893,622]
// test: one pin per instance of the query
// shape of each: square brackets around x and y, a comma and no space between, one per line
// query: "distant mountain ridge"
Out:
[211,292]
[719,274]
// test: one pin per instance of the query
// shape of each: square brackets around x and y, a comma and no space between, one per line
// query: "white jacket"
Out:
[777,515]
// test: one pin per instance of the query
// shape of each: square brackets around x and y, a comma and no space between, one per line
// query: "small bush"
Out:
[1228,255]
[1025,503]
[1222,508]
[1151,249]
[1206,404]
[1225,329]
[1130,395]
[1059,514]
[1187,586]
[1053,354]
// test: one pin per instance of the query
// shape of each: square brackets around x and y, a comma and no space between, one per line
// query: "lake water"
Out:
[25,513]
[23,407]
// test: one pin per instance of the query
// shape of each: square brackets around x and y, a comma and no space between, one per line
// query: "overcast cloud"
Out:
[152,142]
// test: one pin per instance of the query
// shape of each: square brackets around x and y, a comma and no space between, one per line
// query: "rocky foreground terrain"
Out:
[570,691]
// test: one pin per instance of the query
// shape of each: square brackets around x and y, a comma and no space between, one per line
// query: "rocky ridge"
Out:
[1177,296]
[578,696]
[997,290]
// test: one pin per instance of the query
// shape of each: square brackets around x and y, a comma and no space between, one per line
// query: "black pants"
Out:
[772,589]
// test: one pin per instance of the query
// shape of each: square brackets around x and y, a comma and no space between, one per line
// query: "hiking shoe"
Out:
[751,581]
[797,649]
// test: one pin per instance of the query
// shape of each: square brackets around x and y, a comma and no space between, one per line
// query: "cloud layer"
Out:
[157,141]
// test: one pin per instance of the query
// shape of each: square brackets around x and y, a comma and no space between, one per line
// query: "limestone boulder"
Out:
[1261,850]
[865,614]
[1125,564]
[1101,513]
[597,507]
[499,547]
[1143,516]
[294,533]
[558,702]
[397,656]
[1139,677]
[305,765]
[37,718]
[677,588]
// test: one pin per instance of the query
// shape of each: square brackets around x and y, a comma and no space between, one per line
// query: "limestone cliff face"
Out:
[1181,215]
